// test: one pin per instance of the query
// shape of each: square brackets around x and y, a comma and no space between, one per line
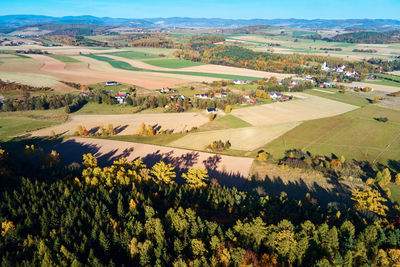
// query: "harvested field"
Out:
[49,63]
[376,87]
[128,124]
[248,138]
[305,107]
[226,168]
[7,56]
[33,79]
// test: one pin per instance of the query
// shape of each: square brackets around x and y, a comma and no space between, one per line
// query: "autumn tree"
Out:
[163,172]
[196,177]
[369,200]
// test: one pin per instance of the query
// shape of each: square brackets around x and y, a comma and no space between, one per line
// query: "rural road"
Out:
[228,170]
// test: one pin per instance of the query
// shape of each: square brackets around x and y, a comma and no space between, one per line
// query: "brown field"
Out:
[304,107]
[375,87]
[49,63]
[127,124]
[108,150]
[7,56]
[249,138]
[91,71]
[62,50]
[397,72]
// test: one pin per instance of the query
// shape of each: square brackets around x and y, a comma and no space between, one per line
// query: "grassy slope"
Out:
[173,63]
[385,82]
[65,59]
[115,63]
[233,122]
[356,99]
[355,135]
[14,125]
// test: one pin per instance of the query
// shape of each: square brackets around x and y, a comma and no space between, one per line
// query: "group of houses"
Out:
[340,70]
[216,95]
[240,81]
[276,96]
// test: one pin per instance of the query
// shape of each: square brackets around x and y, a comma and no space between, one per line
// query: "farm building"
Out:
[112,83]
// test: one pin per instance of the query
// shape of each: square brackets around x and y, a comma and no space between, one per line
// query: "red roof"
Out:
[120,95]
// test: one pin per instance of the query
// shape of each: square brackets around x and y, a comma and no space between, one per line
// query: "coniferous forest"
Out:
[130,214]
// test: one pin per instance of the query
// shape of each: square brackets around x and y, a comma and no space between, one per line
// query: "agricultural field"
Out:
[127,124]
[304,107]
[356,134]
[172,63]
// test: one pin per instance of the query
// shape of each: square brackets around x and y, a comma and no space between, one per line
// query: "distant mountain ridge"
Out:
[15,21]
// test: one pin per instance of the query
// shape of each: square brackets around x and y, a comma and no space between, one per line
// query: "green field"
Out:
[173,63]
[65,59]
[234,122]
[393,78]
[14,125]
[351,98]
[115,63]
[133,55]
[354,135]
[385,82]
[395,190]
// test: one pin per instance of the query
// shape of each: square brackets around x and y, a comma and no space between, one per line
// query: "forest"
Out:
[151,214]
[367,37]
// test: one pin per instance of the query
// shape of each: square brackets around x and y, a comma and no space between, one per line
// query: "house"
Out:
[245,81]
[252,101]
[275,95]
[246,96]
[237,82]
[211,110]
[351,74]
[201,96]
[112,83]
[340,69]
[165,90]
[121,97]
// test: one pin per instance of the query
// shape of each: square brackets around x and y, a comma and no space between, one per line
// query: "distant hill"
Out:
[368,37]
[15,21]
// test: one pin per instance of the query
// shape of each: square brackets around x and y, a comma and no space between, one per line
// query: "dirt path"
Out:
[229,170]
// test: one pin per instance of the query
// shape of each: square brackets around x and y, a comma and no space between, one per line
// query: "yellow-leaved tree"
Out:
[196,177]
[369,200]
[6,227]
[163,172]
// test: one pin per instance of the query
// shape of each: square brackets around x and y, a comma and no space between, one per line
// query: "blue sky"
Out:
[265,9]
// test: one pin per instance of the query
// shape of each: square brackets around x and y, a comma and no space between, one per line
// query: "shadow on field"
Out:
[337,196]
[72,151]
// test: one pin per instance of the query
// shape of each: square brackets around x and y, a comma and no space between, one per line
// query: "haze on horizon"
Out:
[229,9]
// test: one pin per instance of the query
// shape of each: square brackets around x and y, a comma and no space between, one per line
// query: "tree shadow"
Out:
[94,130]
[120,128]
[337,196]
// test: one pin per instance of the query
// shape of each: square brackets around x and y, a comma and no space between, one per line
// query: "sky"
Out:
[234,9]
